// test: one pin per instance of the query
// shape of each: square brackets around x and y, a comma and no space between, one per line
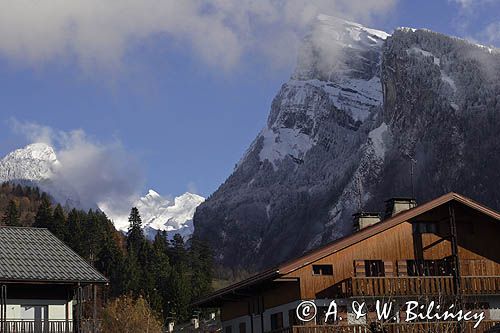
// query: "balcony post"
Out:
[3,308]
[94,310]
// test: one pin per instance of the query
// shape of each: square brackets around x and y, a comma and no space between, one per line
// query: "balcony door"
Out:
[36,317]
[374,268]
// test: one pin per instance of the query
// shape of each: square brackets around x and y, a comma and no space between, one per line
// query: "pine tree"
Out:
[161,271]
[201,264]
[58,223]
[178,254]
[75,237]
[135,236]
[43,218]
[11,215]
[111,263]
[180,294]
[132,283]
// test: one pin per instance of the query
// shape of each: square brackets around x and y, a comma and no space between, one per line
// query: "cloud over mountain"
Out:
[220,32]
[98,172]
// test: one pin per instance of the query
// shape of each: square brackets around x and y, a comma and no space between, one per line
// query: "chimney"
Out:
[363,220]
[394,206]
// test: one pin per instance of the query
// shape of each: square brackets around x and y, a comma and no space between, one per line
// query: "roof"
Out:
[342,243]
[36,255]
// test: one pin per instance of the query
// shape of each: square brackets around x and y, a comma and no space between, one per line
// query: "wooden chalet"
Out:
[447,250]
[45,287]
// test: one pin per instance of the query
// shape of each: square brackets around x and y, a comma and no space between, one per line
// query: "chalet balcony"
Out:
[49,326]
[466,327]
[408,286]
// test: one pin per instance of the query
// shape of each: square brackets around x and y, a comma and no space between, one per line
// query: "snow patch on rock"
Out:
[377,138]
[283,142]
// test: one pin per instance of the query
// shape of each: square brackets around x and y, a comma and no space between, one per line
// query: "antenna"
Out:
[412,163]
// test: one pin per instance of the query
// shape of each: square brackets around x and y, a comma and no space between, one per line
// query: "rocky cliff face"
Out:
[342,133]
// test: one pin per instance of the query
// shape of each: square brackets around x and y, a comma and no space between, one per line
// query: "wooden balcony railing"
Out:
[425,327]
[416,286]
[480,285]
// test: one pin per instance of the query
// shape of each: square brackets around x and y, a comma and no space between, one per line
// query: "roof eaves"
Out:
[265,275]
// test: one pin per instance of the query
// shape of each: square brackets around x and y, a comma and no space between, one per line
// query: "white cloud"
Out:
[32,131]
[467,4]
[491,33]
[98,33]
[97,172]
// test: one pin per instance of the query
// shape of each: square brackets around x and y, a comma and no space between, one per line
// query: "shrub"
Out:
[128,315]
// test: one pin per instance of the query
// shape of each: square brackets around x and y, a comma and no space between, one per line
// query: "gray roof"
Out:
[35,254]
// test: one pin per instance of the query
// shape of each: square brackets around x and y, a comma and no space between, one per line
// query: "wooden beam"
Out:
[435,243]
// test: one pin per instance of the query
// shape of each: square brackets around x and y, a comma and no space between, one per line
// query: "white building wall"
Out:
[56,308]
[257,327]
[494,308]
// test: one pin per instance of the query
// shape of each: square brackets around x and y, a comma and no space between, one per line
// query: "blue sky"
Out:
[177,107]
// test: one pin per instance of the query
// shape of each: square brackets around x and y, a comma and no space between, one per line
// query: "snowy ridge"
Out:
[339,61]
[37,164]
[159,213]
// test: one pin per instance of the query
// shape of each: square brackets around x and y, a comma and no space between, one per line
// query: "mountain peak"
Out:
[36,151]
[152,194]
[34,162]
[352,27]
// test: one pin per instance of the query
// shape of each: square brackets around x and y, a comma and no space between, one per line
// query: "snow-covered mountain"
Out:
[37,165]
[342,132]
[35,162]
[159,213]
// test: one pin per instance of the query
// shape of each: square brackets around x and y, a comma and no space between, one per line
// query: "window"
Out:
[242,328]
[293,320]
[374,268]
[430,267]
[228,329]
[276,321]
[322,270]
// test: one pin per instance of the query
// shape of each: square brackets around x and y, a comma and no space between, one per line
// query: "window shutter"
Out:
[402,268]
[359,268]
[389,268]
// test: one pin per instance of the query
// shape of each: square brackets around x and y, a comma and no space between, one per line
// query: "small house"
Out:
[44,284]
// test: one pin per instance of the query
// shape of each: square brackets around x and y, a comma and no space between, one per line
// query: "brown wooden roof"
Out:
[339,244]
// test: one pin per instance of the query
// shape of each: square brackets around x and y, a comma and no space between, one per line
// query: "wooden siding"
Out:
[231,310]
[277,294]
